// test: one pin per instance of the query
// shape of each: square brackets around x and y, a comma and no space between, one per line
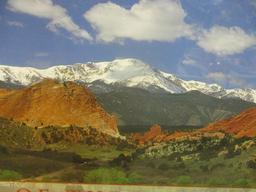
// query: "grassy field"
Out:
[102,153]
[217,171]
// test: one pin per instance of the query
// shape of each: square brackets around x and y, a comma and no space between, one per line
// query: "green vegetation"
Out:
[81,140]
[14,134]
[109,176]
[185,169]
[103,153]
[170,110]
[184,180]
[8,175]
[208,161]
[225,166]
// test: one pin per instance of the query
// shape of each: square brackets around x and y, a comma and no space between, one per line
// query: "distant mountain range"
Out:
[136,107]
[118,73]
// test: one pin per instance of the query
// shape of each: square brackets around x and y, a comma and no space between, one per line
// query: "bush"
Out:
[184,180]
[241,183]
[111,176]
[106,175]
[251,164]
[8,175]
[72,176]
[206,155]
[163,167]
[174,156]
[122,160]
[151,165]
[3,150]
[204,168]
[217,182]
[232,153]
[178,165]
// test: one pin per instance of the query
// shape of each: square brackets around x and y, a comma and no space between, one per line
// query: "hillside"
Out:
[54,103]
[19,135]
[137,107]
[243,124]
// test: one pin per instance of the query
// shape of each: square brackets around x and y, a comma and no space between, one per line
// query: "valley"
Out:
[63,131]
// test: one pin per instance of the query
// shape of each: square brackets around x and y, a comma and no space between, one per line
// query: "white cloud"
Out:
[46,9]
[15,24]
[223,41]
[189,61]
[147,20]
[217,76]
[224,79]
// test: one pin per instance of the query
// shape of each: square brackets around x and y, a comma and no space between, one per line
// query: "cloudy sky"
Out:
[212,41]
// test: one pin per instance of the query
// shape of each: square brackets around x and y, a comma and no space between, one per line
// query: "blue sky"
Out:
[212,41]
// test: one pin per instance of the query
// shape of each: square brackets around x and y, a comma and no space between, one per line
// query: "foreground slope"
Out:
[53,103]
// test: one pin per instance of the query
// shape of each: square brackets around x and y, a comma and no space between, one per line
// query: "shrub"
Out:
[241,183]
[6,175]
[77,158]
[184,180]
[3,150]
[206,155]
[232,153]
[111,176]
[251,164]
[216,166]
[174,156]
[163,167]
[151,165]
[106,175]
[204,168]
[179,165]
[121,160]
[72,176]
[217,182]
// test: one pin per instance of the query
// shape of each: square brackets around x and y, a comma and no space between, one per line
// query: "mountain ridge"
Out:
[124,72]
[241,125]
[192,108]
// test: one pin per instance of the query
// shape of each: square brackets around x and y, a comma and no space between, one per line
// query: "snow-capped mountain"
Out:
[125,72]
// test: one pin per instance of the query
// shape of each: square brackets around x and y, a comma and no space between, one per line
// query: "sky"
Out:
[212,41]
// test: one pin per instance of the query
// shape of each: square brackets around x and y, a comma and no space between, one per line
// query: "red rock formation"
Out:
[53,103]
[240,125]
[154,134]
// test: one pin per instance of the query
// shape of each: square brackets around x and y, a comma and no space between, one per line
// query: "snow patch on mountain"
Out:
[125,72]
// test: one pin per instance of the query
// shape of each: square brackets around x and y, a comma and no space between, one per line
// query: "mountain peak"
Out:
[129,72]
[118,64]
